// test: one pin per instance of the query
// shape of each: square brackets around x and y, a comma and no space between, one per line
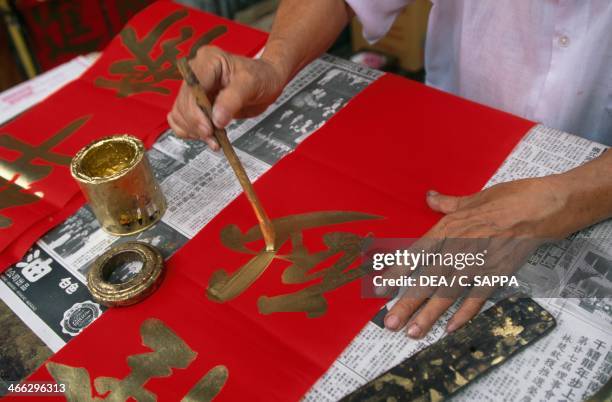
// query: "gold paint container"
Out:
[116,178]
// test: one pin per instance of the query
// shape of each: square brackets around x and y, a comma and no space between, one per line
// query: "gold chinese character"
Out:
[169,352]
[17,175]
[142,73]
[311,300]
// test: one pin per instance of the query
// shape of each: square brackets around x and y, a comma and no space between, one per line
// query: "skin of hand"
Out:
[539,209]
[240,87]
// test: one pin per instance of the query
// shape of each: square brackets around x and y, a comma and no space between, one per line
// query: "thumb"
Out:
[443,203]
[230,101]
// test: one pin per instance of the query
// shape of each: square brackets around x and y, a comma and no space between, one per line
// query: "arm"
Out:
[243,87]
[302,31]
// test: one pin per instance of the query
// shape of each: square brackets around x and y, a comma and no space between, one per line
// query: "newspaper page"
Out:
[19,98]
[198,183]
[569,364]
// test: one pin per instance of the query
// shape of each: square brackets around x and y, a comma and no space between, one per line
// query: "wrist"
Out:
[275,57]
[586,195]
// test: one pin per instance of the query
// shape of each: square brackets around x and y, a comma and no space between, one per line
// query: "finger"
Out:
[430,242]
[468,309]
[420,325]
[408,304]
[177,125]
[402,310]
[196,122]
[231,100]
[209,66]
[446,204]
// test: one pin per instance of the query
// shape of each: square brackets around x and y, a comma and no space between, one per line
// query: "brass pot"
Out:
[117,181]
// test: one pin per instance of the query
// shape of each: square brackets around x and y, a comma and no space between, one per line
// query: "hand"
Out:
[508,216]
[237,86]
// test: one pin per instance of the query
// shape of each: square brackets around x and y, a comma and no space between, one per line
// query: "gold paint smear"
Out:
[209,386]
[403,382]
[478,354]
[497,360]
[508,329]
[459,379]
[434,395]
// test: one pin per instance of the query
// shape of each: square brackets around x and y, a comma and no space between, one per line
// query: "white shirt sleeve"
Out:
[377,16]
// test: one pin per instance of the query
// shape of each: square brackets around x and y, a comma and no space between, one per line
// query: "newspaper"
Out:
[570,363]
[198,184]
[19,98]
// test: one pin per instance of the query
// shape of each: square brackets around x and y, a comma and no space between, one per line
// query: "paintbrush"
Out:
[267,229]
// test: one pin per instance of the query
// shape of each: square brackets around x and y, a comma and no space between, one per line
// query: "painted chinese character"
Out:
[342,248]
[35,267]
[16,176]
[142,72]
[169,352]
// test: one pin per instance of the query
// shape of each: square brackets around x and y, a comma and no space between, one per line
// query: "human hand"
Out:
[513,218]
[237,86]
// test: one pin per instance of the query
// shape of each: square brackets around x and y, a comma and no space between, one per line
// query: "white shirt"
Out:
[546,60]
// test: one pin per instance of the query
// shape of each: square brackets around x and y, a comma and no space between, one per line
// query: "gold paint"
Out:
[220,134]
[209,386]
[478,354]
[434,395]
[139,287]
[18,175]
[497,360]
[76,380]
[116,178]
[403,382]
[391,399]
[508,329]
[168,352]
[142,73]
[108,159]
[545,315]
[459,379]
[224,287]
[436,362]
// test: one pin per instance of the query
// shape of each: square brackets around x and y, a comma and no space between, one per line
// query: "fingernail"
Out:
[431,193]
[451,326]
[414,331]
[392,322]
[220,117]
[214,145]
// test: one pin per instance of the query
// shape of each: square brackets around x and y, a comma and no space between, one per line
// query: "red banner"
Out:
[59,30]
[128,90]
[234,322]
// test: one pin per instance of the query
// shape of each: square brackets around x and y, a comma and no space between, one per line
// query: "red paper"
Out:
[60,30]
[378,155]
[94,106]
